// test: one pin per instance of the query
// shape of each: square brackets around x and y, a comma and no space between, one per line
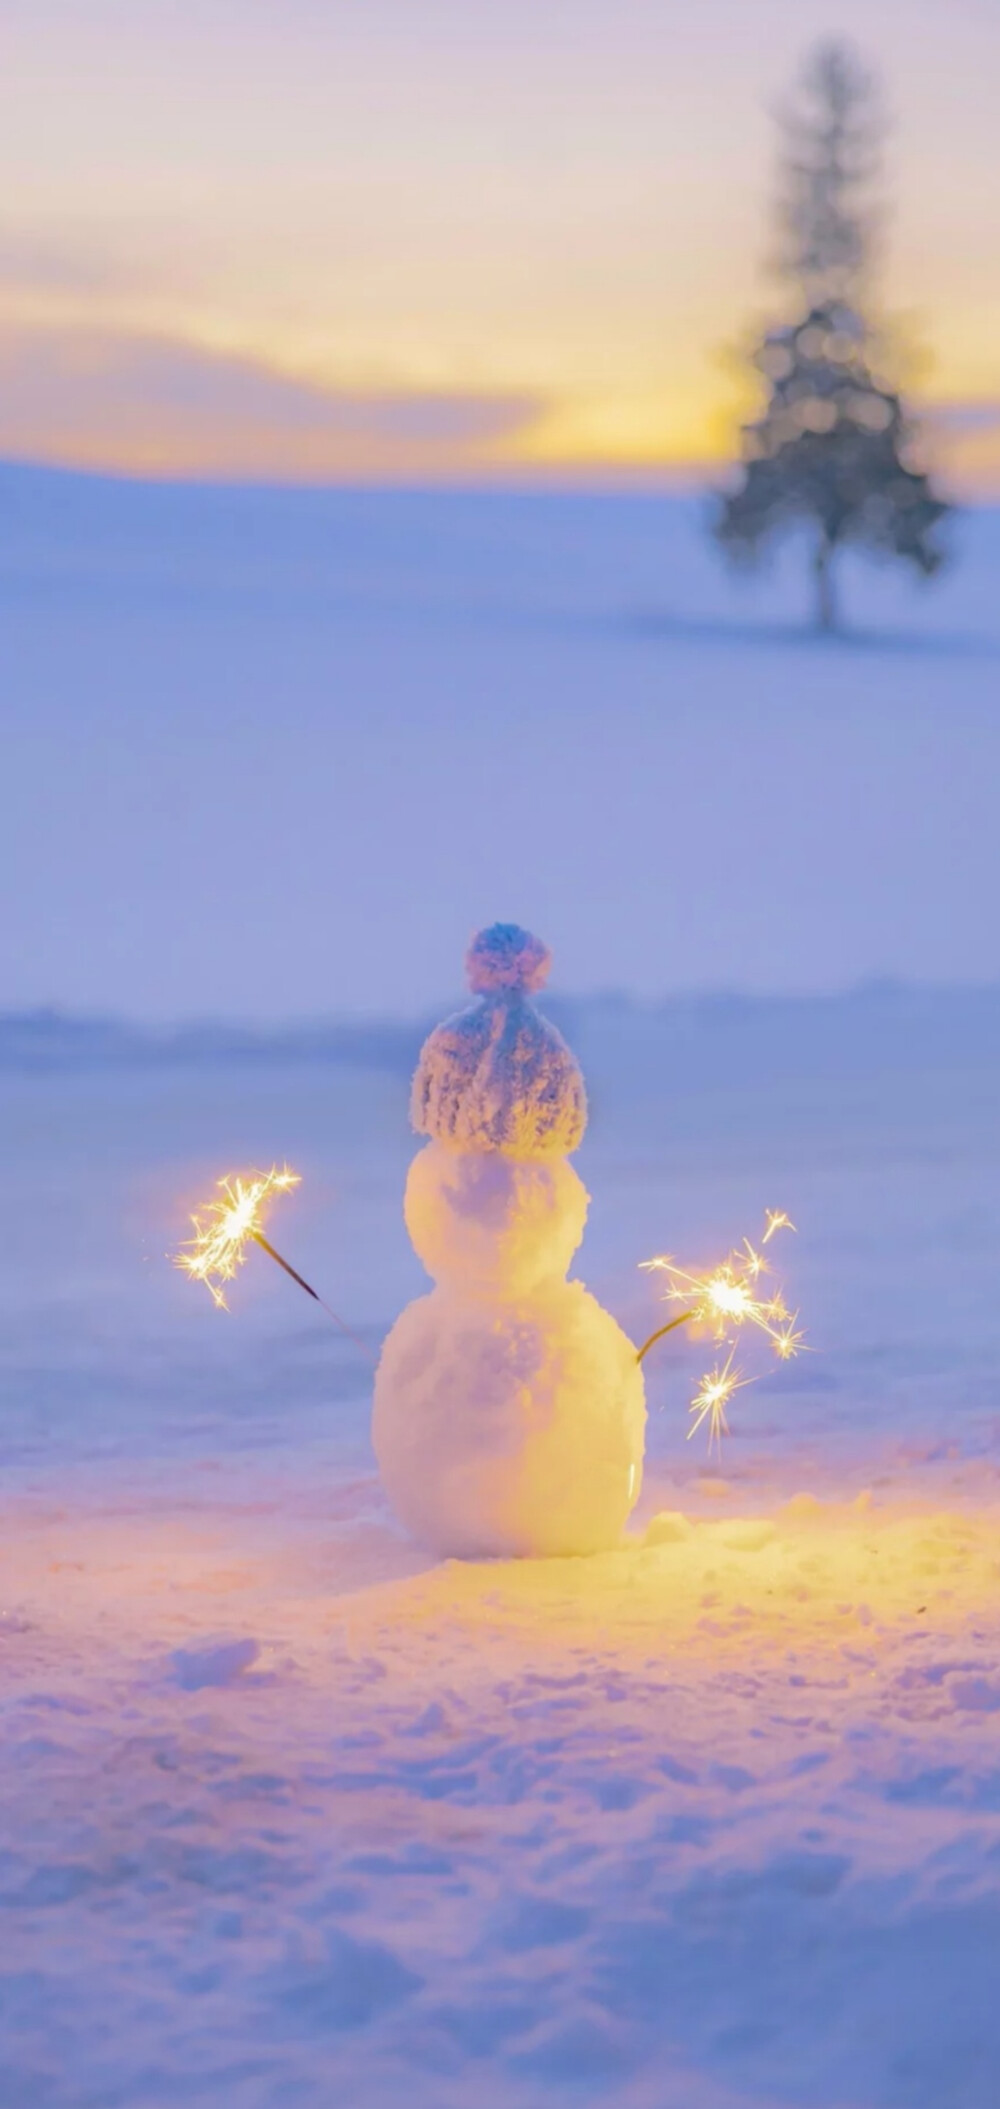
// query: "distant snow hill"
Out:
[43,1042]
[685,1041]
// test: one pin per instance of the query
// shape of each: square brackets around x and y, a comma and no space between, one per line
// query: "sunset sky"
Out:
[401,239]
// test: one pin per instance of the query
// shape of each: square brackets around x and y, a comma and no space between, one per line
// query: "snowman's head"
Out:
[498,1076]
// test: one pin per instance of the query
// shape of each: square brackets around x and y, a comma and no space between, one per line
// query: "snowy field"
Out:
[275,754]
[293,1817]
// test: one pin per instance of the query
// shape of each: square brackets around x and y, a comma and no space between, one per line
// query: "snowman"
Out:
[509,1412]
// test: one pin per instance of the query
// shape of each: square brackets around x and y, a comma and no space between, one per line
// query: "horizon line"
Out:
[585,478]
[52,1012]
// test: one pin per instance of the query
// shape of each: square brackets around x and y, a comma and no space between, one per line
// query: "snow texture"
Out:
[509,1411]
[291,1816]
[498,1076]
[493,1225]
[507,957]
[512,1426]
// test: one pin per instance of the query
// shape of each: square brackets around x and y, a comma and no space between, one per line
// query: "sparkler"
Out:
[224,1228]
[723,1301]
[711,1399]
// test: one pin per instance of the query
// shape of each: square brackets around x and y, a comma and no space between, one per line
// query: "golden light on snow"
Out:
[223,1228]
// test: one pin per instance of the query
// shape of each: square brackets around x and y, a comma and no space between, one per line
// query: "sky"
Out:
[456,240]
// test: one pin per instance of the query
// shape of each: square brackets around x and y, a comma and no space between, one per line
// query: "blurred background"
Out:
[376,244]
[476,460]
[366,379]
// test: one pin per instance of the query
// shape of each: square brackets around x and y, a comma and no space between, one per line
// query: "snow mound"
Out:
[512,1428]
[492,1224]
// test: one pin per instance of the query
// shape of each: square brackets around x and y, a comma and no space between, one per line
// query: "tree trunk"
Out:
[826,607]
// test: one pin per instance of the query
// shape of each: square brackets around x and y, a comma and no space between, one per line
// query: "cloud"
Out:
[143,402]
[31,263]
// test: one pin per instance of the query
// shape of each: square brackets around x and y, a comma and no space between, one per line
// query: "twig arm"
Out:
[670,1327]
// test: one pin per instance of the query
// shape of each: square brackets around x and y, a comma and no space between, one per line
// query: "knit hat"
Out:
[498,1076]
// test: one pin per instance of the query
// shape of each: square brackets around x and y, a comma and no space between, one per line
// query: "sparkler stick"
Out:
[725,1300]
[260,1239]
[670,1327]
[223,1229]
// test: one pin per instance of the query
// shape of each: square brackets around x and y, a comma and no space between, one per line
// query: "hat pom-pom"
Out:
[505,957]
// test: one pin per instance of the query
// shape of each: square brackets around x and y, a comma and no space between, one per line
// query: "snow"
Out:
[509,1408]
[499,1076]
[287,750]
[510,1424]
[493,1224]
[293,1814]
[506,957]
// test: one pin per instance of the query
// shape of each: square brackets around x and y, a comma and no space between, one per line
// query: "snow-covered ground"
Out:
[274,754]
[293,1816]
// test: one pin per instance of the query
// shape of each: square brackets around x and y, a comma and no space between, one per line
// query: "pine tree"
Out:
[832,446]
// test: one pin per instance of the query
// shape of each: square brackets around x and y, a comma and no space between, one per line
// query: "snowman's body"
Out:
[509,1406]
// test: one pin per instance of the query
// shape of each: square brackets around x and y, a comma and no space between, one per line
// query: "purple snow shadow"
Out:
[197,1669]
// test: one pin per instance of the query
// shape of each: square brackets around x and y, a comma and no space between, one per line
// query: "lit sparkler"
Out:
[224,1228]
[722,1302]
[711,1399]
